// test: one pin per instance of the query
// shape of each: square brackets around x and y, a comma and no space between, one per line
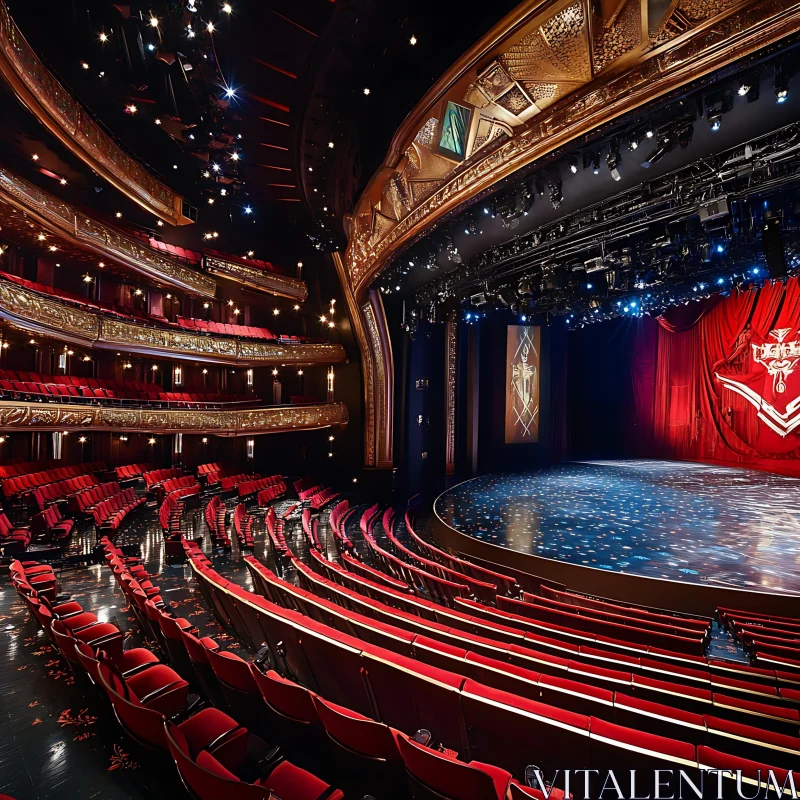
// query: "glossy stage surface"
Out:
[660,519]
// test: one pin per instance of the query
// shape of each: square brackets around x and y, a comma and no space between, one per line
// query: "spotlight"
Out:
[573,165]
[781,84]
[595,159]
[717,104]
[153,22]
[685,135]
[556,195]
[715,121]
[614,159]
[230,94]
[666,143]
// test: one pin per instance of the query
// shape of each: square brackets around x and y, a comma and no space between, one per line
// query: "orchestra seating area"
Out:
[424,667]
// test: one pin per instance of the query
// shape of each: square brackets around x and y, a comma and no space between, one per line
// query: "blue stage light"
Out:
[720,248]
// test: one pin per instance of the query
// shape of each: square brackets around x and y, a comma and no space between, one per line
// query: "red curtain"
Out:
[727,380]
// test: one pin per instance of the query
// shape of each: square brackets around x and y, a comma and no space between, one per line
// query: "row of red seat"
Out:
[323,497]
[467,716]
[60,490]
[505,583]
[85,501]
[153,478]
[207,469]
[275,528]
[640,709]
[132,471]
[486,592]
[266,496]
[149,698]
[13,539]
[111,513]
[302,484]
[311,530]
[50,526]
[246,331]
[65,387]
[214,514]
[185,486]
[11,468]
[247,489]
[25,483]
[169,516]
[229,482]
[772,640]
[243,525]
[338,519]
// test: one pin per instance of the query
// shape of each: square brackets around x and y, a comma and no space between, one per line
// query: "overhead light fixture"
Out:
[153,22]
[190,33]
[84,65]
[103,38]
[248,210]
[573,165]
[781,84]
[614,159]
[210,27]
[366,90]
[227,8]
[231,93]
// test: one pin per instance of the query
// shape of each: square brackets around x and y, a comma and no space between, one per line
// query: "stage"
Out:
[670,521]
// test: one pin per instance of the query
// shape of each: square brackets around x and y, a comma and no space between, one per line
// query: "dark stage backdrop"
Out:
[715,381]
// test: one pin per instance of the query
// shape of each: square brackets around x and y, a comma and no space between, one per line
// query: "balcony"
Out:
[28,416]
[37,313]
[75,127]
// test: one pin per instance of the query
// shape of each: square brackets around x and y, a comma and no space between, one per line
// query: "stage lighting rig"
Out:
[556,195]
[665,144]
[717,104]
[573,164]
[781,83]
[593,160]
[614,159]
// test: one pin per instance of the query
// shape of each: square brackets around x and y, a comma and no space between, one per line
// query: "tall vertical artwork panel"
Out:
[523,347]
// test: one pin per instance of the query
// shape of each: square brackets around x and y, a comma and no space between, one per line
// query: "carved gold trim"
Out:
[258,279]
[63,220]
[709,36]
[245,422]
[33,312]
[67,119]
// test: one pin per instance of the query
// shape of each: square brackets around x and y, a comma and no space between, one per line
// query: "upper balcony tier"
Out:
[77,129]
[24,205]
[68,317]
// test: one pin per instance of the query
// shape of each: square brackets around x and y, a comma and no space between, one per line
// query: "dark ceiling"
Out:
[298,72]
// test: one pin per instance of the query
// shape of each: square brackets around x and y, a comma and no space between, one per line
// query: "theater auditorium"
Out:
[400,400]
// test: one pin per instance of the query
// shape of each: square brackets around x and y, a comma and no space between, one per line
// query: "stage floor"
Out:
[661,519]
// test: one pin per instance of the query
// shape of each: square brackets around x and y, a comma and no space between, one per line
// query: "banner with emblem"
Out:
[523,347]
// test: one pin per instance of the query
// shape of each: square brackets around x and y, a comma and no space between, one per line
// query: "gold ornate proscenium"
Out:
[64,220]
[257,278]
[67,119]
[547,74]
[33,312]
[246,422]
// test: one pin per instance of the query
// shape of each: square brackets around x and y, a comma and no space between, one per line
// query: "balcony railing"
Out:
[33,312]
[16,415]
[75,226]
[74,125]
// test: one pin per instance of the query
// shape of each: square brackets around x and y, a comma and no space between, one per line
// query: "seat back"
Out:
[211,781]
[442,775]
[357,733]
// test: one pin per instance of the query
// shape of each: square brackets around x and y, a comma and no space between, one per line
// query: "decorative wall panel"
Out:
[276,419]
[50,102]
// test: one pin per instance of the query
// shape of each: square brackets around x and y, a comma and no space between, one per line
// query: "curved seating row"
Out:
[186,486]
[504,583]
[26,385]
[310,529]
[634,708]
[246,489]
[323,497]
[13,539]
[153,478]
[25,483]
[275,528]
[85,501]
[214,514]
[132,471]
[61,490]
[243,525]
[408,694]
[50,526]
[111,513]
[270,493]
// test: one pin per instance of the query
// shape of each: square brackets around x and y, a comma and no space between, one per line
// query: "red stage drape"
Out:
[727,379]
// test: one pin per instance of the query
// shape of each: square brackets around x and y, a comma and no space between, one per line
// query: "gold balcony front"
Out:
[60,218]
[16,415]
[75,127]
[255,278]
[35,313]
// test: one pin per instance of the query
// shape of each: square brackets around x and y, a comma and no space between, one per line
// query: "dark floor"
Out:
[57,738]
[693,523]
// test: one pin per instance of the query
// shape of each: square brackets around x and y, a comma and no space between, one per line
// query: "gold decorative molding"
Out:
[62,219]
[549,73]
[255,278]
[70,122]
[31,311]
[245,422]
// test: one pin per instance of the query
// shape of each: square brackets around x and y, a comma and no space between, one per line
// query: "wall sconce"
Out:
[251,449]
[249,375]
[177,376]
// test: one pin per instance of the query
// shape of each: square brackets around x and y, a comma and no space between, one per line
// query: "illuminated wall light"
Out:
[177,375]
[103,38]
[35,157]
[250,253]
[331,438]
[366,90]
[211,201]
[323,319]
[300,372]
[412,41]
[227,8]
[230,93]
[157,121]
[82,439]
[215,167]
[206,305]
[131,109]
[52,248]
[154,368]
[248,210]
[330,455]
[275,371]
[251,449]
[151,441]
[204,440]
[296,307]
[235,156]
[190,33]
[41,237]
[118,215]
[355,480]
[87,358]
[87,278]
[138,292]
[223,192]
[32,341]
[230,302]
[331,145]
[210,27]
[84,65]
[63,181]
[123,438]
[249,377]
[153,22]
[205,372]
[276,311]
[236,312]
